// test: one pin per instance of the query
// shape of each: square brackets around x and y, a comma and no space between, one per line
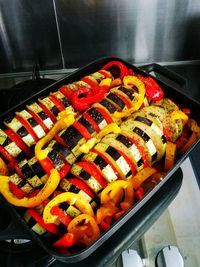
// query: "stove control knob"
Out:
[130,258]
[169,257]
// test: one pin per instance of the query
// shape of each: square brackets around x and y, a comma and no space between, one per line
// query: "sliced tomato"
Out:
[18,141]
[28,127]
[82,130]
[93,171]
[105,114]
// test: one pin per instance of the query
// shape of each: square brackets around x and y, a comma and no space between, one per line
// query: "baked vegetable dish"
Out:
[73,162]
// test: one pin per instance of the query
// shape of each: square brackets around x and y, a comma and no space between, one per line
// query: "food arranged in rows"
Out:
[74,161]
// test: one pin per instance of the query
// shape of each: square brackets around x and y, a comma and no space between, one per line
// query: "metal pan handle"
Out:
[165,75]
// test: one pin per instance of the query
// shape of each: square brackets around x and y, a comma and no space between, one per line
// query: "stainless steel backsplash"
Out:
[59,34]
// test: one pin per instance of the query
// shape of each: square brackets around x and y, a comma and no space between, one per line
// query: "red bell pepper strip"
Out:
[108,161]
[48,165]
[18,141]
[83,103]
[93,171]
[48,226]
[82,130]
[82,186]
[91,121]
[91,83]
[105,73]
[113,64]
[17,191]
[105,114]
[57,102]
[187,111]
[66,91]
[66,241]
[13,163]
[126,102]
[153,90]
[62,216]
[39,120]
[28,127]
[47,111]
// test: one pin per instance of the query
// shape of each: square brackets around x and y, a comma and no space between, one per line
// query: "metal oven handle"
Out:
[162,73]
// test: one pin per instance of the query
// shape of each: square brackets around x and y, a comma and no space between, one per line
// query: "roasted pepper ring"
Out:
[84,228]
[72,199]
[49,187]
[118,196]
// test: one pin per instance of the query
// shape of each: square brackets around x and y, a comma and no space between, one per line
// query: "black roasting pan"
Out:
[18,228]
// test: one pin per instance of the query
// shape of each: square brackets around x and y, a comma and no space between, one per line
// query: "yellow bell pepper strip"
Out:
[3,167]
[113,127]
[170,155]
[116,191]
[141,176]
[84,228]
[106,81]
[49,187]
[138,100]
[178,115]
[72,199]
[61,124]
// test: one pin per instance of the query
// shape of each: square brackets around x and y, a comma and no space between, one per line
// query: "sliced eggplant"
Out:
[73,139]
[117,160]
[38,130]
[29,174]
[46,101]
[97,117]
[92,183]
[18,128]
[21,183]
[122,143]
[37,169]
[34,107]
[105,168]
[11,147]
[116,100]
